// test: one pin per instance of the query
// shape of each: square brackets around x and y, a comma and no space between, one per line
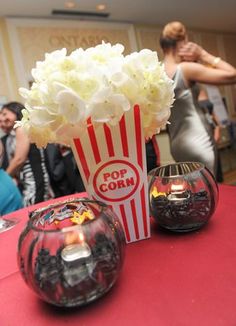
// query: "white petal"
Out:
[71,106]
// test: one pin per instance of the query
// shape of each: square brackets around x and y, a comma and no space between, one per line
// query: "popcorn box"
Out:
[112,163]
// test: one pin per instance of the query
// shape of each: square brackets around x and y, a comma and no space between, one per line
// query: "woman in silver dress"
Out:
[187,64]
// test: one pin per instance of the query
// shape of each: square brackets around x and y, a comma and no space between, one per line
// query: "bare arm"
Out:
[217,130]
[216,119]
[21,153]
[201,66]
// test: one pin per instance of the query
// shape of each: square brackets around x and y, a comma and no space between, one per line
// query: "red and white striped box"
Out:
[112,163]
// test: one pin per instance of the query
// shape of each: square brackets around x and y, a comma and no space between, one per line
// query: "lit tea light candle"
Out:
[75,247]
[76,251]
[178,192]
[77,258]
[177,187]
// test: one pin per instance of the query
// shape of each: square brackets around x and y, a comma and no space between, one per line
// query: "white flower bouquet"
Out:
[97,85]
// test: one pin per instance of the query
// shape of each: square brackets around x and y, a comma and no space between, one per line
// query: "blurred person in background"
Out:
[188,64]
[152,153]
[24,161]
[64,175]
[213,127]
[1,124]
[10,196]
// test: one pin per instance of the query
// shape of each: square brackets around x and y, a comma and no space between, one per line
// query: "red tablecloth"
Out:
[168,280]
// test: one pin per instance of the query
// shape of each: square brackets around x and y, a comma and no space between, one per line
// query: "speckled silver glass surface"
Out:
[71,253]
[183,196]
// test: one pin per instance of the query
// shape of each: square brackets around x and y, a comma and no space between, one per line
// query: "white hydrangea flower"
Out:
[71,106]
[108,107]
[99,84]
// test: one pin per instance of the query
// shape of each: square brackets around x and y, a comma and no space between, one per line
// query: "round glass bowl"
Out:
[71,253]
[183,196]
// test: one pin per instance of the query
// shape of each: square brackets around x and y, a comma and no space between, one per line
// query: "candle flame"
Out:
[81,218]
[81,237]
[155,193]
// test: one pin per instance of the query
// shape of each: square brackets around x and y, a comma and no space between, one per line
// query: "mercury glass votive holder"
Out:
[71,252]
[183,196]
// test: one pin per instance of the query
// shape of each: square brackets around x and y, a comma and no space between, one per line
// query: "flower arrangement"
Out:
[96,85]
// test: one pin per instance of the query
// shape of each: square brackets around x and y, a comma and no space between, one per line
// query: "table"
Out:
[168,280]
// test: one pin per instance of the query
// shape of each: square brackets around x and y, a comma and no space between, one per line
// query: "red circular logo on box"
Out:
[116,180]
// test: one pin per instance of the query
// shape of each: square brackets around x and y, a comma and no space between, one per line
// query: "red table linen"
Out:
[168,280]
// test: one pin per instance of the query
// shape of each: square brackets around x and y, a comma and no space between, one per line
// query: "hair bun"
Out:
[174,30]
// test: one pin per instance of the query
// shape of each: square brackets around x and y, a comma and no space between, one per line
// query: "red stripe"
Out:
[123,134]
[138,135]
[125,224]
[82,157]
[94,144]
[134,215]
[109,141]
[144,211]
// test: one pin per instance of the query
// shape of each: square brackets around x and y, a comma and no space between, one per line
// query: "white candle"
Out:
[76,251]
[178,192]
